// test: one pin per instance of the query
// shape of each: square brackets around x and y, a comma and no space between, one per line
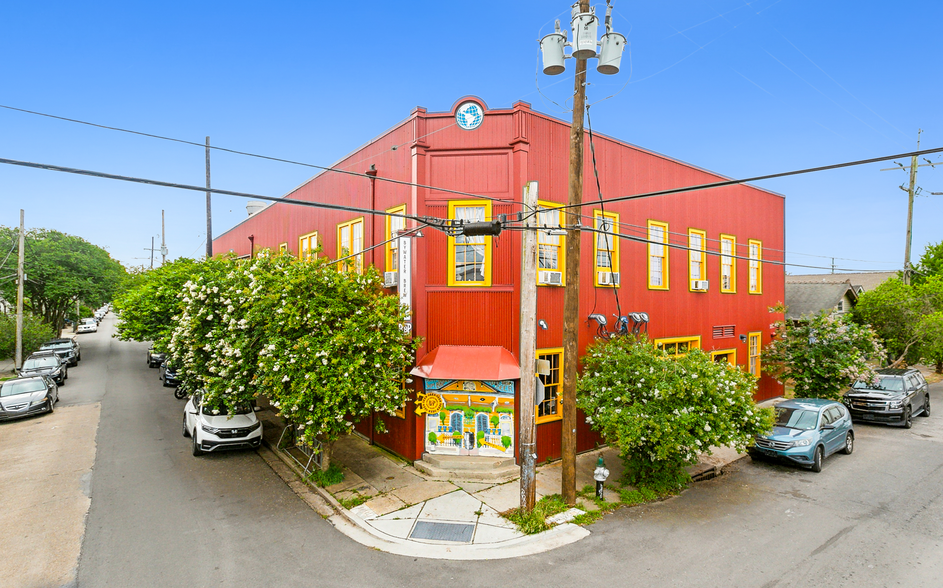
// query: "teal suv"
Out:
[806,431]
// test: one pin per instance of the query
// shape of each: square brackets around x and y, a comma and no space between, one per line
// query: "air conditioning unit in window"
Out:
[699,284]
[390,279]
[607,278]
[549,277]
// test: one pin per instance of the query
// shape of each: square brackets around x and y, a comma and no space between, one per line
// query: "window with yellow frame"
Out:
[756,266]
[470,257]
[282,247]
[678,346]
[753,351]
[728,264]
[551,254]
[697,256]
[606,246]
[657,255]
[724,356]
[394,224]
[350,242]
[307,245]
[549,407]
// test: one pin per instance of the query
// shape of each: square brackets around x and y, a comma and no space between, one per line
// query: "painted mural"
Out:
[468,417]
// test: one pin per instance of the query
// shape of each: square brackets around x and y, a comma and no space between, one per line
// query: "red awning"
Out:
[468,362]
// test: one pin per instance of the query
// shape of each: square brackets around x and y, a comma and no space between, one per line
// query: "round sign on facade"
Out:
[469,115]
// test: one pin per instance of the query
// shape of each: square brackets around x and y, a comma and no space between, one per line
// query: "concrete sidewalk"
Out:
[386,503]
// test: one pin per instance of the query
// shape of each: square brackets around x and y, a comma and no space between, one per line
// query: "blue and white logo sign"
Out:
[469,116]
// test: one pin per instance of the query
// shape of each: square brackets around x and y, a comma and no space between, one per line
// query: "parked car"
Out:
[168,374]
[45,363]
[22,397]
[213,428]
[894,398]
[88,325]
[67,349]
[155,358]
[806,431]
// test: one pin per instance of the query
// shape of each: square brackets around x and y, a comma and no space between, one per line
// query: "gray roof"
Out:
[867,280]
[803,298]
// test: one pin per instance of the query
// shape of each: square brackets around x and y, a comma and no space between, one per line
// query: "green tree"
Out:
[896,311]
[60,269]
[35,333]
[932,348]
[662,412]
[930,264]
[151,300]
[822,354]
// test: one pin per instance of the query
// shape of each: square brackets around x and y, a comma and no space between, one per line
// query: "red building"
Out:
[695,262]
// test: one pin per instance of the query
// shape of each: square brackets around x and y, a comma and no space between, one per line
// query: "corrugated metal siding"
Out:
[471,318]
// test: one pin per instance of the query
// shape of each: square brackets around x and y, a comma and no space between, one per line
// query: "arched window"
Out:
[456,421]
[481,422]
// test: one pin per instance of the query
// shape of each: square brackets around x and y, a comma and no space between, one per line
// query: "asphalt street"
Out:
[161,517]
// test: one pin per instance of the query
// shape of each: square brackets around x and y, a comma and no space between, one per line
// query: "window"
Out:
[282,247]
[697,258]
[678,345]
[549,406]
[606,247]
[725,356]
[470,257]
[551,253]
[756,269]
[753,349]
[308,245]
[350,242]
[728,264]
[841,305]
[393,225]
[657,255]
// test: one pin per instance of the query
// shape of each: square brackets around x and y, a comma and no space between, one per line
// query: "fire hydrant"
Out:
[600,474]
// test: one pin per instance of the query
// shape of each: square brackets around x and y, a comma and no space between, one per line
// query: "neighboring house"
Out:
[705,265]
[809,298]
[862,282]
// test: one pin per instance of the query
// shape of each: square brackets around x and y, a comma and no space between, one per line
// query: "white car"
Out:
[213,429]
[88,325]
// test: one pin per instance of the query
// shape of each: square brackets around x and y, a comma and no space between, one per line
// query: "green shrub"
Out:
[443,416]
[323,478]
[495,421]
[433,438]
[506,441]
[35,333]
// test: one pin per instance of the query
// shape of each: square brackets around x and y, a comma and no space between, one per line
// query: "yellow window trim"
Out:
[663,256]
[312,236]
[759,351]
[340,247]
[561,248]
[486,283]
[759,265]
[703,250]
[694,342]
[614,217]
[401,209]
[732,353]
[552,417]
[283,246]
[733,264]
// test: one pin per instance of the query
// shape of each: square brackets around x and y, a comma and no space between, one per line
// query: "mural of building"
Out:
[705,266]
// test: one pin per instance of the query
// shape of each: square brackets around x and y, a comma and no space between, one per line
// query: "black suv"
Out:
[68,350]
[154,358]
[896,396]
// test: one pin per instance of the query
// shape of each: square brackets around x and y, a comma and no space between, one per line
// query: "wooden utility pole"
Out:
[209,206]
[910,211]
[152,252]
[163,242]
[527,446]
[571,300]
[20,278]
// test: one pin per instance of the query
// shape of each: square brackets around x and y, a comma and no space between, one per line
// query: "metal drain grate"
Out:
[459,533]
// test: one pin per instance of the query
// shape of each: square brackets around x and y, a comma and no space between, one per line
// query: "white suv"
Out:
[88,325]
[214,428]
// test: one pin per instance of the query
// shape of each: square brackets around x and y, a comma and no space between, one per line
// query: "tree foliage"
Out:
[898,313]
[35,333]
[930,264]
[662,412]
[822,354]
[60,269]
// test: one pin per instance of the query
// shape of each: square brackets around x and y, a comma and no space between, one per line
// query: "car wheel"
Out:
[926,407]
[817,459]
[66,375]
[196,445]
[180,393]
[51,406]
[908,418]
[849,444]
[186,433]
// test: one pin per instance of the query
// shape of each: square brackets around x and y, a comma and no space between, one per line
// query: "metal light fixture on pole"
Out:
[583,24]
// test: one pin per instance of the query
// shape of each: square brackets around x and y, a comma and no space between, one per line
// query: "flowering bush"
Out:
[662,412]
[822,355]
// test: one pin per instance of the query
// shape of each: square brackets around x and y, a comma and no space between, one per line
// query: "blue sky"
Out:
[742,89]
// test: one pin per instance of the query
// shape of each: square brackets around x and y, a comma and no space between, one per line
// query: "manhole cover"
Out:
[459,533]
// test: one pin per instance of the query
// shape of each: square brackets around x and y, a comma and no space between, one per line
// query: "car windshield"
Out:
[796,418]
[65,345]
[221,410]
[40,362]
[88,321]
[14,387]
[889,383]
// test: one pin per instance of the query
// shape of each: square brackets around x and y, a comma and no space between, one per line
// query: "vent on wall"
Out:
[724,332]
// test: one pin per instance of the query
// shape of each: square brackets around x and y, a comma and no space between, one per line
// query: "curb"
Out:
[357,529]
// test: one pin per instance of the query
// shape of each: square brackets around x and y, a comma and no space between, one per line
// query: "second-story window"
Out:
[606,246]
[756,270]
[657,255]
[307,245]
[728,264]
[394,224]
[550,251]
[350,242]
[697,259]
[470,257]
